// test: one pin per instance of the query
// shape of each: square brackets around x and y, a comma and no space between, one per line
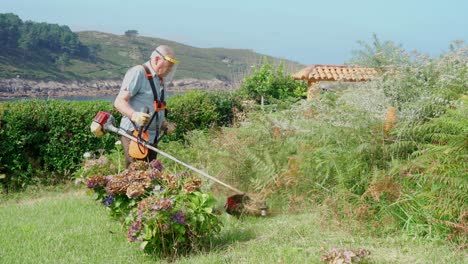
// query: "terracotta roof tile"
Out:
[335,73]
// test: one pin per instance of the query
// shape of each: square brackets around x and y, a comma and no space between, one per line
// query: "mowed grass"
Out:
[62,228]
[69,227]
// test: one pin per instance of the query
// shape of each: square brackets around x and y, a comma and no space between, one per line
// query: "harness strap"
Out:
[159,104]
[149,77]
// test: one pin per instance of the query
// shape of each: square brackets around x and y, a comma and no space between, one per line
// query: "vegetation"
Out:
[167,214]
[379,54]
[30,37]
[334,151]
[268,83]
[50,52]
[62,223]
[202,110]
[42,141]
[131,33]
[342,155]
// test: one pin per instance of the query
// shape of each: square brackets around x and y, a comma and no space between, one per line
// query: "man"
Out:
[136,93]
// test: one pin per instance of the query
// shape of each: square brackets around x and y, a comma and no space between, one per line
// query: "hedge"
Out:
[44,140]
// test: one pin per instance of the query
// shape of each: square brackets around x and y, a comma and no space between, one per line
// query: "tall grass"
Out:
[334,151]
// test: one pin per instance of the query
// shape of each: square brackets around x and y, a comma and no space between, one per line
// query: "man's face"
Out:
[163,67]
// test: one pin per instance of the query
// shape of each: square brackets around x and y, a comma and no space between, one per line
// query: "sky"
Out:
[305,31]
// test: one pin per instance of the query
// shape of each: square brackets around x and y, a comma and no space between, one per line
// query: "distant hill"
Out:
[114,54]
[118,53]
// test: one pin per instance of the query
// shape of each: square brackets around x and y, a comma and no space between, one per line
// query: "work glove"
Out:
[140,118]
[168,127]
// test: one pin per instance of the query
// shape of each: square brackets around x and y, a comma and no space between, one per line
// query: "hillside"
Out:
[114,54]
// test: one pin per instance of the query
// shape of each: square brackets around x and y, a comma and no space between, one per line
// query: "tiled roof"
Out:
[335,73]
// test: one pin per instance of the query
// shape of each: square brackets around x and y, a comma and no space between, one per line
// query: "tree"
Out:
[131,33]
[62,61]
[10,25]
[379,54]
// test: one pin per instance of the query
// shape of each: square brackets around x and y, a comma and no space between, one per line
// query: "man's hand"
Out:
[140,118]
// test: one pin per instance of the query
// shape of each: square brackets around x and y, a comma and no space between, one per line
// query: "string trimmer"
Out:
[236,204]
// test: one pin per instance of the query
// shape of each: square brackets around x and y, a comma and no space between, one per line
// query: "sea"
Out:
[70,98]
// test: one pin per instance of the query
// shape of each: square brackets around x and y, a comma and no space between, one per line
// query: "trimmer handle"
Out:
[142,129]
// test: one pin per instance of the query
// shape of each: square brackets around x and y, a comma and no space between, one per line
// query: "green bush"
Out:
[44,140]
[201,110]
[271,83]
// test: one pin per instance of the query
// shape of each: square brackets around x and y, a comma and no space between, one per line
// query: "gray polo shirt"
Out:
[141,95]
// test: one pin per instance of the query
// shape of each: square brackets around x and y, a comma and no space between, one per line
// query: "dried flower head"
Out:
[157,165]
[192,185]
[117,184]
[133,231]
[96,182]
[135,190]
[155,204]
[170,180]
[138,165]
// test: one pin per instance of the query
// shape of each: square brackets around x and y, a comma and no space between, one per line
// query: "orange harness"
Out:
[136,149]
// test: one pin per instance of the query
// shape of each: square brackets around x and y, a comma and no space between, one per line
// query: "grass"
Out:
[64,224]
[60,227]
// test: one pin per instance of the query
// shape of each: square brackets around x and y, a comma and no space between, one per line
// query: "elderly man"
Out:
[143,87]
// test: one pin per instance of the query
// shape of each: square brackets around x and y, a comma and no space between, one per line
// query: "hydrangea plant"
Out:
[167,214]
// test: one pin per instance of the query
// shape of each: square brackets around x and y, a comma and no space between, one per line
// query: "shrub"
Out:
[167,214]
[201,110]
[271,83]
[44,140]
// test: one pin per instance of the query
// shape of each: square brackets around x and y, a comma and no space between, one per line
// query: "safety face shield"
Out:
[170,76]
[171,66]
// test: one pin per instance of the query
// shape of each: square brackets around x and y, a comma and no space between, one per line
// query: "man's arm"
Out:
[122,105]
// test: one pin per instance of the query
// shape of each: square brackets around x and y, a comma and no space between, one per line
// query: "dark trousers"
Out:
[128,159]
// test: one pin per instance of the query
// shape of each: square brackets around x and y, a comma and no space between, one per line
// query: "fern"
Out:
[264,167]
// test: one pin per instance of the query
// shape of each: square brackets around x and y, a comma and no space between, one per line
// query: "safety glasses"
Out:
[167,58]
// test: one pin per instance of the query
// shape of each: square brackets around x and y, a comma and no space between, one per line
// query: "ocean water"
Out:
[71,98]
[68,98]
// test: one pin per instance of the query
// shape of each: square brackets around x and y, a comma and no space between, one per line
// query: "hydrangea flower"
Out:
[157,165]
[108,200]
[133,231]
[166,204]
[179,218]
[95,182]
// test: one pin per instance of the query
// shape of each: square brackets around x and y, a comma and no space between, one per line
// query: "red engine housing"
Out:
[101,117]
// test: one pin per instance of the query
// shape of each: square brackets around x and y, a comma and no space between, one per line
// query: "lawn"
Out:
[66,225]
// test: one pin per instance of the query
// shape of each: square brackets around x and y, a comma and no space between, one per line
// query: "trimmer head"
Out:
[235,204]
[241,204]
